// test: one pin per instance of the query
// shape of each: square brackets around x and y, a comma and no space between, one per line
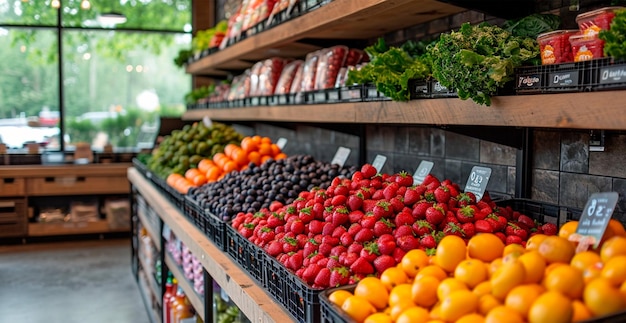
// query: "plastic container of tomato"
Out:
[555,46]
[586,47]
[590,23]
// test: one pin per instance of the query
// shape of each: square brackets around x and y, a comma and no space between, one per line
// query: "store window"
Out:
[118,77]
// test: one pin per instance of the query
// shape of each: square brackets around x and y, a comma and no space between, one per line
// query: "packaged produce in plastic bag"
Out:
[287,76]
[268,76]
[353,57]
[254,77]
[281,5]
[592,22]
[329,63]
[555,47]
[309,70]
[296,84]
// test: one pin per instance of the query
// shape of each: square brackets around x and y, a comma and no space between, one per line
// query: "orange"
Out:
[584,260]
[432,270]
[397,309]
[458,303]
[266,140]
[229,166]
[448,286]
[275,150]
[400,293]
[551,307]
[494,265]
[339,296]
[191,173]
[450,252]
[471,318]
[508,276]
[172,179]
[522,297]
[513,249]
[556,249]
[566,280]
[280,156]
[534,266]
[254,157]
[581,311]
[265,149]
[485,247]
[602,298]
[413,261]
[248,144]
[414,314]
[378,318]
[503,314]
[617,227]
[471,271]
[213,173]
[592,272]
[424,291]
[483,288]
[615,246]
[615,270]
[240,157]
[551,267]
[568,229]
[199,180]
[435,312]
[486,303]
[392,277]
[372,289]
[534,241]
[229,150]
[205,164]
[358,308]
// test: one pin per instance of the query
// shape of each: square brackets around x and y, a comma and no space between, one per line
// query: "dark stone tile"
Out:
[401,140]
[547,149]
[389,164]
[380,138]
[499,179]
[575,152]
[244,130]
[545,186]
[493,153]
[510,181]
[462,147]
[313,134]
[619,186]
[457,20]
[419,141]
[439,25]
[437,142]
[609,162]
[439,167]
[344,139]
[417,32]
[575,189]
[453,171]
[405,162]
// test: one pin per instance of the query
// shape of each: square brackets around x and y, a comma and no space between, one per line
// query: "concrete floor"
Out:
[67,282]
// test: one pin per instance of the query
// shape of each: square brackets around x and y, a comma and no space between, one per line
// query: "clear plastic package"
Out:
[296,84]
[555,46]
[592,22]
[310,68]
[329,63]
[287,76]
[586,47]
[353,57]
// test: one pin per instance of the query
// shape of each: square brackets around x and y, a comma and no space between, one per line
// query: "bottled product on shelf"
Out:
[170,289]
[224,310]
[180,307]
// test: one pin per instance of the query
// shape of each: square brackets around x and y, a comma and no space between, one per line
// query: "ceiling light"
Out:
[85,4]
[111,18]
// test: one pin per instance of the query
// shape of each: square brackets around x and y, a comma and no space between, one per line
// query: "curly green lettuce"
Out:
[615,38]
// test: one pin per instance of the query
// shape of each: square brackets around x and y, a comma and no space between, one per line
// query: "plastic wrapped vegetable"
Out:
[330,61]
[310,69]
[296,84]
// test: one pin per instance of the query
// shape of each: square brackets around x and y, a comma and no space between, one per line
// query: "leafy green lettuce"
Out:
[615,38]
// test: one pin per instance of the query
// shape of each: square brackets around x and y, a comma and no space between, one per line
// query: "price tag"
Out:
[595,217]
[167,232]
[379,162]
[207,121]
[422,171]
[281,142]
[341,156]
[477,181]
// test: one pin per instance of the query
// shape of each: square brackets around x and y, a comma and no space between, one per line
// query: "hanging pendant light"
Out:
[85,4]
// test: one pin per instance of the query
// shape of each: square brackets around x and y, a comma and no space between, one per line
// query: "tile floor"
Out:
[69,282]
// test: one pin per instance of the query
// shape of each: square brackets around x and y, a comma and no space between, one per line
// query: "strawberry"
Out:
[452,228]
[501,235]
[390,191]
[340,216]
[430,179]
[466,213]
[386,244]
[483,226]
[482,214]
[325,249]
[407,242]
[403,218]
[369,205]
[328,228]
[330,240]
[453,188]
[355,247]
[429,196]
[310,272]
[428,241]
[338,200]
[305,215]
[405,230]
[335,251]
[513,229]
[442,194]
[498,222]
[290,244]
[369,251]
[274,248]
[310,247]
[339,276]
[354,228]
[422,227]
[468,230]
[383,226]
[378,195]
[357,176]
[333,262]
[411,196]
[549,229]
[376,183]
[382,210]
[434,215]
[323,278]
[297,226]
[368,171]
[361,266]
[404,179]
[346,239]
[315,226]
[513,239]
[341,190]
[383,262]
[355,201]
[323,261]
[348,258]
[398,254]
[419,209]
[526,220]
[275,219]
[465,199]
[364,235]
[295,261]
[369,221]
[397,204]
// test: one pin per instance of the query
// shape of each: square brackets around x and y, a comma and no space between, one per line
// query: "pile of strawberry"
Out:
[363,225]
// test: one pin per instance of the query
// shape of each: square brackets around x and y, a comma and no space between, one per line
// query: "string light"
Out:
[85,4]
[55,4]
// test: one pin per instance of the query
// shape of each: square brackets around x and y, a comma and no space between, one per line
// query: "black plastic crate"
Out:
[607,74]
[194,213]
[212,226]
[315,97]
[309,5]
[258,101]
[419,89]
[245,253]
[353,93]
[554,78]
[299,299]
[284,16]
[437,90]
[370,93]
[331,313]
[333,95]
[142,168]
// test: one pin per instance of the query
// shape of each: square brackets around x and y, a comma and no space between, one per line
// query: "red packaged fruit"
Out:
[590,23]
[586,47]
[328,66]
[555,47]
[287,77]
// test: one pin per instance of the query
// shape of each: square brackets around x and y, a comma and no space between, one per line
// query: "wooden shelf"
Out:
[589,110]
[13,171]
[154,287]
[340,19]
[194,299]
[253,301]
[152,232]
[153,315]
[70,228]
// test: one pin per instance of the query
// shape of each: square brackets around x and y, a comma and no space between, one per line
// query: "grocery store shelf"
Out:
[143,289]
[194,299]
[253,301]
[339,19]
[152,232]
[71,228]
[588,110]
[156,291]
[11,171]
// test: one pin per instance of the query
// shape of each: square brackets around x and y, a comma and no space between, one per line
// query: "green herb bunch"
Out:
[615,38]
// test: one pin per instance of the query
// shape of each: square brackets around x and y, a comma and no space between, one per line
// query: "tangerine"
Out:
[471,271]
[392,277]
[602,298]
[414,314]
[424,291]
[358,308]
[485,247]
[522,297]
[567,280]
[458,303]
[450,252]
[534,266]
[413,261]
[557,249]
[552,307]
[616,246]
[503,314]
[372,289]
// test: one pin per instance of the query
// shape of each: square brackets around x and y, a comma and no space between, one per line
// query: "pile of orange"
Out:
[485,281]
[255,149]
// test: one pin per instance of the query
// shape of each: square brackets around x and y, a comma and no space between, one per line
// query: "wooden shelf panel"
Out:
[340,19]
[152,232]
[194,299]
[154,287]
[589,110]
[251,299]
[147,299]
[70,228]
[13,171]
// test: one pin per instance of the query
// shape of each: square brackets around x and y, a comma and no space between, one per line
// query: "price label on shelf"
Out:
[379,162]
[478,180]
[281,142]
[167,232]
[207,121]
[341,156]
[595,218]
[422,171]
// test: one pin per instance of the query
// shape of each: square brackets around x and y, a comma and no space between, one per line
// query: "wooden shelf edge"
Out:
[152,314]
[251,299]
[588,110]
[156,238]
[71,228]
[151,281]
[12,171]
[194,299]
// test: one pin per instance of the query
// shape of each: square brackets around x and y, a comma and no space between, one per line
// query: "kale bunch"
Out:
[615,38]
